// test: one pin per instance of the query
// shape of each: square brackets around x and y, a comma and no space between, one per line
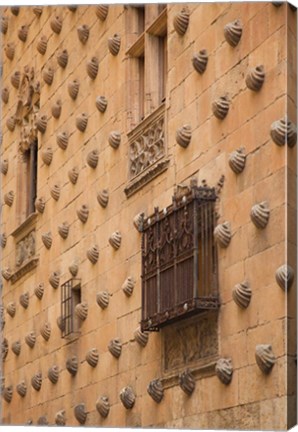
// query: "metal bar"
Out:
[195,250]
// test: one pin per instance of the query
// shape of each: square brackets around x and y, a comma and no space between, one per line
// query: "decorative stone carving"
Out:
[83,33]
[72,8]
[54,279]
[265,358]
[39,290]
[92,158]
[72,365]
[62,140]
[23,33]
[242,294]
[103,197]
[40,204]
[63,230]
[127,397]
[42,421]
[45,331]
[47,239]
[6,273]
[4,166]
[92,357]
[224,370]
[220,107]
[2,317]
[102,11]
[7,393]
[11,123]
[92,67]
[141,337]
[101,103]
[114,139]
[73,268]
[15,10]
[24,300]
[81,310]
[114,44]
[3,240]
[93,254]
[115,347]
[73,175]
[138,221]
[3,24]
[4,348]
[56,109]
[222,234]
[62,59]
[260,214]
[82,121]
[41,123]
[128,286]
[5,95]
[53,374]
[83,213]
[36,381]
[155,390]
[200,60]
[237,160]
[73,88]
[181,21]
[233,32]
[37,11]
[56,24]
[255,78]
[25,249]
[284,276]
[187,382]
[16,347]
[60,418]
[60,323]
[102,299]
[10,50]
[30,339]
[8,198]
[115,240]
[284,131]
[15,79]
[80,413]
[183,135]
[11,309]
[55,192]
[103,406]
[42,45]
[22,389]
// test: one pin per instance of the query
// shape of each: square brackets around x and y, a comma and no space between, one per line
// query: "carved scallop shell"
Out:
[141,337]
[92,67]
[115,240]
[22,389]
[187,382]
[40,204]
[4,166]
[115,139]
[128,286]
[41,123]
[24,300]
[83,213]
[23,33]
[16,347]
[81,310]
[237,160]
[242,294]
[93,254]
[48,75]
[73,269]
[53,374]
[45,331]
[47,239]
[265,358]
[56,24]
[7,393]
[63,230]
[155,390]
[30,339]
[62,140]
[127,397]
[61,323]
[92,158]
[181,21]
[102,299]
[73,175]
[80,413]
[72,365]
[60,418]
[114,44]
[103,406]
[115,347]
[6,273]
[183,135]
[4,348]
[36,381]
[233,32]
[5,95]
[3,240]
[62,58]
[138,221]
[15,79]
[11,123]
[42,45]
[103,197]
[220,107]
[101,103]
[255,78]
[102,11]
[56,109]
[42,421]
[83,33]
[200,60]
[92,357]
[224,370]
[11,309]
[73,88]
[284,276]
[260,214]
[39,290]
[10,50]
[54,279]
[81,121]
[284,131]
[72,8]
[47,155]
[55,192]
[37,11]
[222,234]
[4,24]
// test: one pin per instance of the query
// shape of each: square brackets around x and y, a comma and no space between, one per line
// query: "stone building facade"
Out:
[149,141]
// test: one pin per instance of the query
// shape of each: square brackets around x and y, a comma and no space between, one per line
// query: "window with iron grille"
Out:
[70,297]
[179,259]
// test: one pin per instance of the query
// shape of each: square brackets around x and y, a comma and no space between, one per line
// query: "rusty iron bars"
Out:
[70,297]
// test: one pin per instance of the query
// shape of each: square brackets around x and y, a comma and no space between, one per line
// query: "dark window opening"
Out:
[70,298]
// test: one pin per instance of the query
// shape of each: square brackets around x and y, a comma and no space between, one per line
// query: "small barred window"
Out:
[70,298]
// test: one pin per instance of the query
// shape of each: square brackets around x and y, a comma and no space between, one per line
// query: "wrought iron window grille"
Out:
[70,297]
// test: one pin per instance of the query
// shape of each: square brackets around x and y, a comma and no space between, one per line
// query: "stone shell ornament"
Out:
[37,11]
[48,75]
[115,240]
[73,88]
[255,78]
[3,240]
[39,291]
[284,131]
[42,421]
[260,214]
[55,192]
[47,155]
[60,323]
[11,123]
[265,358]
[56,108]
[187,382]
[102,299]
[82,121]
[41,123]
[242,294]
[5,95]
[11,309]
[42,45]
[222,234]
[54,279]
[73,268]
[24,300]
[72,8]
[200,60]
[22,389]
[224,370]
[60,418]
[141,337]
[4,349]
[62,140]
[127,397]
[103,197]
[181,21]
[183,135]
[6,273]
[4,166]
[81,310]
[233,32]
[115,139]
[45,331]
[56,24]
[73,175]
[36,381]
[62,58]
[101,103]
[102,12]
[72,365]
[220,107]
[40,204]
[23,33]
[114,44]
[115,347]
[237,160]
[92,357]
[47,239]
[155,390]
[83,33]
[16,347]
[30,339]
[92,67]
[10,50]
[92,158]
[93,254]
[83,213]
[4,24]
[128,286]
[284,276]
[80,413]
[7,393]
[138,221]
[15,79]
[103,406]
[53,374]
[63,230]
